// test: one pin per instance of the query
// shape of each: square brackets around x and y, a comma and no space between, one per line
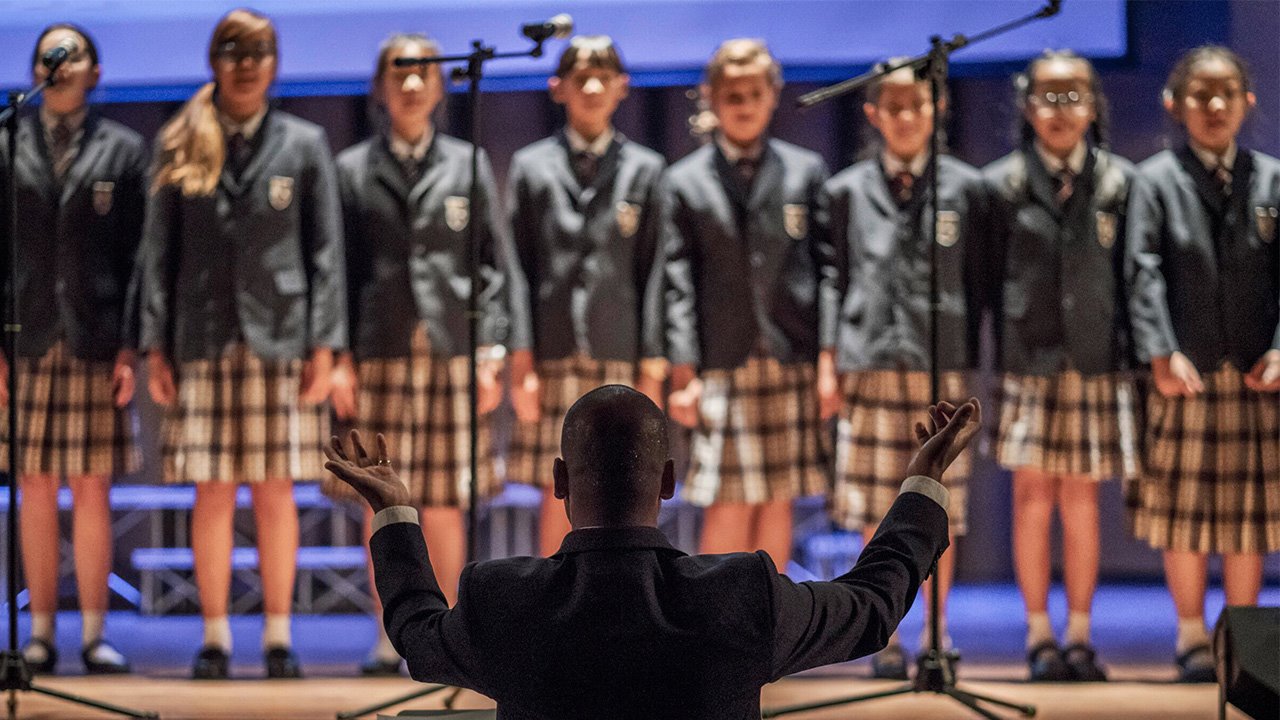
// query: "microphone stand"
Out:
[472,72]
[15,675]
[935,670]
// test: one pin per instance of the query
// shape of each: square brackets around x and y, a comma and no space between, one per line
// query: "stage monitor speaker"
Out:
[1247,645]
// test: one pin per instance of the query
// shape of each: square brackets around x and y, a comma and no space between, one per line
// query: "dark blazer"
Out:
[77,240]
[260,259]
[408,254]
[1205,274]
[588,253]
[743,264]
[619,624]
[878,316]
[1061,300]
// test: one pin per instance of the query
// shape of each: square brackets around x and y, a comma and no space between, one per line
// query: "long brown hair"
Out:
[192,149]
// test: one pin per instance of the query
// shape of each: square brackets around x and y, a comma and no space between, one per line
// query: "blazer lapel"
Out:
[1040,184]
[35,155]
[91,148]
[268,142]
[727,175]
[433,172]
[562,167]
[1204,185]
[879,194]
[385,170]
[768,178]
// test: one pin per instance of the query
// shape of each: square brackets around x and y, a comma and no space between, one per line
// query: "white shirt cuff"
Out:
[926,486]
[401,514]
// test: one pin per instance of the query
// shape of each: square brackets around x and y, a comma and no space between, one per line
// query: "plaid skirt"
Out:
[1069,424]
[1211,470]
[535,445]
[759,436]
[877,440]
[68,422]
[239,419]
[420,403]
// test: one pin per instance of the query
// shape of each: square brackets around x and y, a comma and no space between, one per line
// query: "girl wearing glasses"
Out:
[242,310]
[1067,420]
[405,203]
[80,186]
[1204,269]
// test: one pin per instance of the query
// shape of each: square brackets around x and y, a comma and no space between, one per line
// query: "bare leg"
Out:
[726,527]
[1242,578]
[38,523]
[772,531]
[91,537]
[211,541]
[553,524]
[276,517]
[1078,503]
[445,534]
[1184,572]
[1033,499]
[945,572]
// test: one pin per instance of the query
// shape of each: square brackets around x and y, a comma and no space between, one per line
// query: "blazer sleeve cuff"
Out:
[397,514]
[926,486]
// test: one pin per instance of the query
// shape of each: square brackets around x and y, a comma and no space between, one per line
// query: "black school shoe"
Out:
[211,664]
[1197,665]
[282,663]
[890,663]
[1082,663]
[49,665]
[1045,663]
[93,666]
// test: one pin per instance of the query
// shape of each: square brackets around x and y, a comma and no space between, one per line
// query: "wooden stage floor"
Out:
[1137,694]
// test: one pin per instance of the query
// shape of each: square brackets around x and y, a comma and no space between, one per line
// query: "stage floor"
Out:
[1133,625]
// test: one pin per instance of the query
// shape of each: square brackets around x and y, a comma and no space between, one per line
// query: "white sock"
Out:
[92,623]
[383,649]
[217,633]
[1191,632]
[276,631]
[1039,629]
[1078,631]
[42,626]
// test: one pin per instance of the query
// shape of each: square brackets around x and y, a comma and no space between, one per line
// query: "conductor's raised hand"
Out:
[948,431]
[372,477]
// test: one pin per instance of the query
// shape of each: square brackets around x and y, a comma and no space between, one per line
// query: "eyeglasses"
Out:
[235,51]
[1069,100]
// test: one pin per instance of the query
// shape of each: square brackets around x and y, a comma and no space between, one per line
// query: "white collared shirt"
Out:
[1212,159]
[404,150]
[1055,165]
[895,166]
[248,128]
[733,153]
[597,147]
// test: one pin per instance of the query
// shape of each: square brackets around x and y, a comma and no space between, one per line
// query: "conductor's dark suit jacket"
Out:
[1063,303]
[77,240]
[261,259]
[408,254]
[588,252]
[619,624]
[1204,271]
[878,316]
[743,264]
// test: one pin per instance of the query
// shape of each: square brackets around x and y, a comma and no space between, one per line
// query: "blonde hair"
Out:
[743,53]
[192,149]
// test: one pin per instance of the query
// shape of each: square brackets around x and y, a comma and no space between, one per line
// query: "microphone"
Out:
[1051,8]
[560,26]
[60,53]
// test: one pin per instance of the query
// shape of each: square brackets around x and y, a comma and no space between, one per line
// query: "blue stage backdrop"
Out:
[154,49]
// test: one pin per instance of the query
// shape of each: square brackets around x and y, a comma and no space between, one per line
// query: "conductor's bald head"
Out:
[615,466]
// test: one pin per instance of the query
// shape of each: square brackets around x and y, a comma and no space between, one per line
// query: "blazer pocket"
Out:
[290,282]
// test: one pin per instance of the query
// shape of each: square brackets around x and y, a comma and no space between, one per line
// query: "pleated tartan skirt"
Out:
[535,445]
[238,418]
[68,424]
[420,403]
[876,440]
[1069,424]
[1211,470]
[759,436]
